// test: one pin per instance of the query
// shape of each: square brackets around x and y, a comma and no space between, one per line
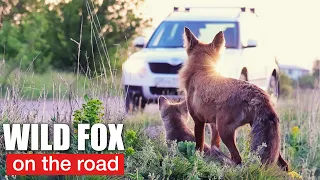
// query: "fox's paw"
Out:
[285,168]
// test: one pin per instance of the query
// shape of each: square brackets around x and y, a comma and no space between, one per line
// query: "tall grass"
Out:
[60,93]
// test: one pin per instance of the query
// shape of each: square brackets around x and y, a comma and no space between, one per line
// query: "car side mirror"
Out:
[250,43]
[139,42]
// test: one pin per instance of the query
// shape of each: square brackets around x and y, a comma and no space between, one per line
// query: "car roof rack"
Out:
[187,9]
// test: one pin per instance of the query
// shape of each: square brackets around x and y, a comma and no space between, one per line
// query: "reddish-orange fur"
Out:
[174,116]
[228,102]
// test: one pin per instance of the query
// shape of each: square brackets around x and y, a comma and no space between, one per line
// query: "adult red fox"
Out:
[228,102]
[174,116]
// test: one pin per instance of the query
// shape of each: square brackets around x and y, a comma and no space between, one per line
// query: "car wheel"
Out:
[134,103]
[273,90]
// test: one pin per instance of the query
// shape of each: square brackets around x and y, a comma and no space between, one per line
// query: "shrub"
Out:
[90,113]
[286,88]
[306,82]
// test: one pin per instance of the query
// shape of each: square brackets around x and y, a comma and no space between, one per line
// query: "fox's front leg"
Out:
[199,134]
[215,137]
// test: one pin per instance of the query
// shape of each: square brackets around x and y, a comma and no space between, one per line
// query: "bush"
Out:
[286,91]
[306,82]
[286,88]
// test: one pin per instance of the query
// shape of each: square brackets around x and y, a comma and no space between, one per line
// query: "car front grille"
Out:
[163,91]
[164,68]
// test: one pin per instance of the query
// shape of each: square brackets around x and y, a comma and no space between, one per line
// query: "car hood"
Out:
[175,56]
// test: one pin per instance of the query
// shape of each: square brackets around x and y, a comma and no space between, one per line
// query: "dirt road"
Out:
[44,110]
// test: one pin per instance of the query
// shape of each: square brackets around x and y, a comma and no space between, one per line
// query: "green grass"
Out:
[150,157]
[55,84]
[300,132]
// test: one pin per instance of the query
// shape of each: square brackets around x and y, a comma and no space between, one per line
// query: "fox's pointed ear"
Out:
[219,40]
[190,40]
[183,106]
[162,101]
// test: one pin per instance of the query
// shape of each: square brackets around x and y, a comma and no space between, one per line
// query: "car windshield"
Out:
[169,33]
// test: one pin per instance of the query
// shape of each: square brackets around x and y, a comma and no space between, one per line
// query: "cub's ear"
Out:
[190,40]
[162,102]
[183,106]
[218,40]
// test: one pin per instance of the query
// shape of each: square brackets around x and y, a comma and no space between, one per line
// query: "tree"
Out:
[47,35]
[23,39]
[306,82]
[316,68]
[103,27]
[316,73]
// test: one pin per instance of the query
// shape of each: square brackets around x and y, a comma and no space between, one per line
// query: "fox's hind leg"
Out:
[282,163]
[215,137]
[227,133]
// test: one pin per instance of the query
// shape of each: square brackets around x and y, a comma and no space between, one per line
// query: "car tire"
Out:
[273,90]
[134,103]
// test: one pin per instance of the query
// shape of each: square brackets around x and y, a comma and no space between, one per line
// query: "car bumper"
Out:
[153,93]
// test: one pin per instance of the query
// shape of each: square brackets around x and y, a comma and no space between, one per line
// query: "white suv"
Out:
[152,71]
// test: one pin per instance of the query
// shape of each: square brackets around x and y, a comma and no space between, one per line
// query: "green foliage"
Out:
[25,45]
[306,82]
[297,146]
[130,140]
[90,113]
[47,35]
[54,84]
[136,176]
[181,161]
[316,68]
[286,88]
[188,149]
[247,145]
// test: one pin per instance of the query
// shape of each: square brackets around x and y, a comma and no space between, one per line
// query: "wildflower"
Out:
[294,175]
[295,130]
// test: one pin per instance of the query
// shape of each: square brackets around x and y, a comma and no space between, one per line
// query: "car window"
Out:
[207,33]
[169,34]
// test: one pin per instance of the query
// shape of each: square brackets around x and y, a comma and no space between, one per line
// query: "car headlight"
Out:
[135,66]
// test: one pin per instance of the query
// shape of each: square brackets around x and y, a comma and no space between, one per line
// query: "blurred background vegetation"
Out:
[45,44]
[47,41]
[39,35]
[310,81]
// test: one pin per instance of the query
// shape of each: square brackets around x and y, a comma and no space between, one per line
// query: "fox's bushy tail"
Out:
[265,130]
